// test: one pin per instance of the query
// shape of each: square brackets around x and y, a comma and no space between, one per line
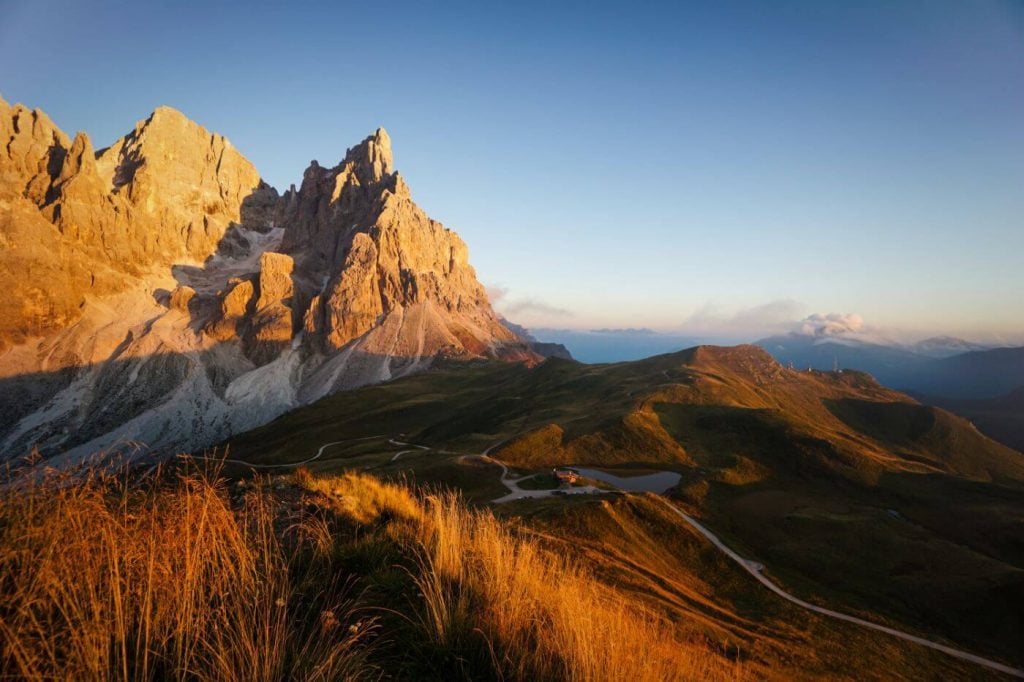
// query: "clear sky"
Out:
[700,167]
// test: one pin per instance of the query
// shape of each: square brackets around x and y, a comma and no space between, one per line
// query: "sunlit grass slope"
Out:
[180,577]
[106,578]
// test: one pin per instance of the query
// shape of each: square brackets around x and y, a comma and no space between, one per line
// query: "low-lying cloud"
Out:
[635,331]
[850,326]
[831,324]
[512,308]
[747,324]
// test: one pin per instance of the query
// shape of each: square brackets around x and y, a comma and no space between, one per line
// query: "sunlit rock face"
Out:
[77,224]
[373,258]
[159,296]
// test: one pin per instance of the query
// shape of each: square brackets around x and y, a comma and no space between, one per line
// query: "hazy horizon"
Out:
[720,170]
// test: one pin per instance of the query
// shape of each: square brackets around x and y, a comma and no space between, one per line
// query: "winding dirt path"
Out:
[405,452]
[319,452]
[754,569]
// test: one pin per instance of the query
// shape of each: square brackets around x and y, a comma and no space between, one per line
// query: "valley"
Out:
[628,483]
[867,518]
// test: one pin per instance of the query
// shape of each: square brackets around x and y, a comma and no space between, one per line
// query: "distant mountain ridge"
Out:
[941,366]
[543,348]
[159,292]
[945,346]
[1001,417]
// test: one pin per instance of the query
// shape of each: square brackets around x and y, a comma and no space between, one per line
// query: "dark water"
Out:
[654,482]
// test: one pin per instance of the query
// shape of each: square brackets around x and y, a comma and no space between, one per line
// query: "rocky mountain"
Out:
[80,224]
[159,295]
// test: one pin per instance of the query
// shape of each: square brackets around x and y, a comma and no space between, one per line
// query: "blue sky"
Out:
[718,169]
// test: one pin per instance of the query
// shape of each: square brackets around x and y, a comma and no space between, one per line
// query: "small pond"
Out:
[653,481]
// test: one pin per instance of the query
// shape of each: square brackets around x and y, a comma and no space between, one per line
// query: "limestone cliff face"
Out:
[355,231]
[157,291]
[36,258]
[78,224]
[181,185]
[33,154]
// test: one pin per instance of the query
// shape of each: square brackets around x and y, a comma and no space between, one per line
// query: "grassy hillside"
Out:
[1001,418]
[852,495]
[633,542]
[303,578]
[563,412]
[977,374]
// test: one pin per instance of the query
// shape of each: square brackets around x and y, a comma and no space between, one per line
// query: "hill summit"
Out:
[159,292]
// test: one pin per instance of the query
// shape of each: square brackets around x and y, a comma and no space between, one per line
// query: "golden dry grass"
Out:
[488,593]
[542,615]
[362,499]
[171,578]
[102,580]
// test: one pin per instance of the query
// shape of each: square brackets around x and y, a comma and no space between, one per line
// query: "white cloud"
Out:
[831,324]
[530,308]
[847,326]
[496,294]
[747,324]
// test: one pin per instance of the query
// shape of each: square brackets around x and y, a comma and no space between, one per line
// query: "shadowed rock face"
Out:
[159,291]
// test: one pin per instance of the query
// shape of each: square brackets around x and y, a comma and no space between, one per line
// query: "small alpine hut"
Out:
[566,476]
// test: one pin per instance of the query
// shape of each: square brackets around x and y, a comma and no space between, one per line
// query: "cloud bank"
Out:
[636,331]
[748,324]
[831,324]
[528,308]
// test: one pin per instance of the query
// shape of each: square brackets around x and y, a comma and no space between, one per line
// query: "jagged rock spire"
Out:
[371,159]
[368,254]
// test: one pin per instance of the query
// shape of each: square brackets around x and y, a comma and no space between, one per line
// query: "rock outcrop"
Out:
[273,318]
[158,292]
[88,224]
[372,256]
[545,349]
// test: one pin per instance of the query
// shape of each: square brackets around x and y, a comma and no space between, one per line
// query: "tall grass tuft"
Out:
[502,606]
[538,615]
[102,578]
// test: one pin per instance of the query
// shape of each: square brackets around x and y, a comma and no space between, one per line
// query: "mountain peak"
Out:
[372,157]
[737,357]
[165,124]
[32,152]
[164,112]
[165,120]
